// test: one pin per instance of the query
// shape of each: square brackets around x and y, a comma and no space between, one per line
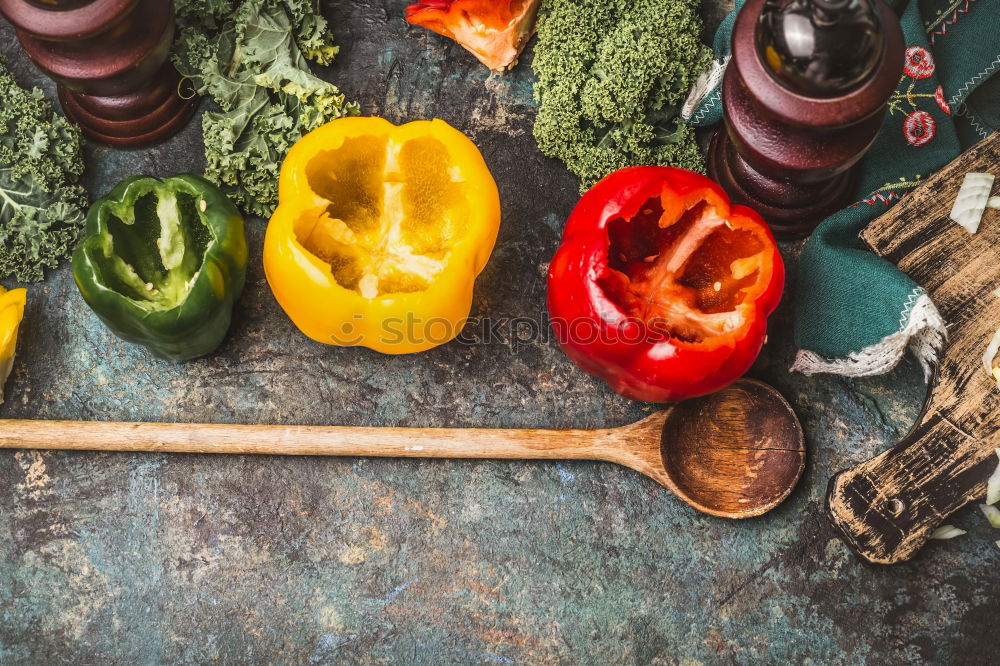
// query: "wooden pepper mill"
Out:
[109,58]
[804,97]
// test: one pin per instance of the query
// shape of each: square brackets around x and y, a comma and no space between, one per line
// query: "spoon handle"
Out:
[308,440]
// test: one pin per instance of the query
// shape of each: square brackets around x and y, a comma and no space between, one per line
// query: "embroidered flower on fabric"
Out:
[939,98]
[919,63]
[919,128]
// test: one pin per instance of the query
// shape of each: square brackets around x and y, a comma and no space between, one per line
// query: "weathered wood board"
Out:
[888,507]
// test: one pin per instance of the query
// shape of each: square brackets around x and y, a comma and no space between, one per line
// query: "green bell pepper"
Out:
[162,264]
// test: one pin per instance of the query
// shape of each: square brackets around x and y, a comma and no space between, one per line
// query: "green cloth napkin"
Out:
[857,314]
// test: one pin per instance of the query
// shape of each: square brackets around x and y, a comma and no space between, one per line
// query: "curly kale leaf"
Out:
[612,75]
[41,206]
[252,58]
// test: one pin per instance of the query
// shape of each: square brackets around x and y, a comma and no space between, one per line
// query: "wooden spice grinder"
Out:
[109,58]
[804,97]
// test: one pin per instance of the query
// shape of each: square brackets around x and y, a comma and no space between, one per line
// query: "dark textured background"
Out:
[121,558]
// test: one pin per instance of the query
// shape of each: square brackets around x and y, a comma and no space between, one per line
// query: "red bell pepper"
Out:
[660,287]
[495,31]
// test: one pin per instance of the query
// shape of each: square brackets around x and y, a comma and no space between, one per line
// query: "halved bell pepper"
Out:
[380,232]
[11,313]
[163,262]
[660,287]
[495,31]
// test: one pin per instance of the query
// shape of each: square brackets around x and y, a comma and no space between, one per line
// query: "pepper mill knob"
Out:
[804,98]
[109,58]
[820,48]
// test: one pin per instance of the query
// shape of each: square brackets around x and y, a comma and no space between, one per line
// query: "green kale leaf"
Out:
[252,58]
[612,75]
[42,208]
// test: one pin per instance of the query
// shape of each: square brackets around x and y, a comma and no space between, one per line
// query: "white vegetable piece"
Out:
[971,201]
[992,514]
[993,485]
[947,532]
[992,349]
[994,203]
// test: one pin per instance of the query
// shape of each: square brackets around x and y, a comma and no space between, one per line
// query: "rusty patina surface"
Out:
[120,558]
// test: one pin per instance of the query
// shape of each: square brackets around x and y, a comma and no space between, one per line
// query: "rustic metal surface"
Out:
[122,558]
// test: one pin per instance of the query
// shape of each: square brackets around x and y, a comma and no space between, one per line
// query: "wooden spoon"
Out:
[736,453]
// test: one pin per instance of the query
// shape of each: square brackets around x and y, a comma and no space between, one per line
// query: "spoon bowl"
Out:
[736,453]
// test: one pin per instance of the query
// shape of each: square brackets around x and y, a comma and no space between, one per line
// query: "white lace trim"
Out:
[706,83]
[924,333]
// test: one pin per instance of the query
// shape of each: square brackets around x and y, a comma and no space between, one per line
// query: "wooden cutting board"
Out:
[887,507]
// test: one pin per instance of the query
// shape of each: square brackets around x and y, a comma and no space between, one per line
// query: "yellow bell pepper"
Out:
[11,313]
[380,232]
